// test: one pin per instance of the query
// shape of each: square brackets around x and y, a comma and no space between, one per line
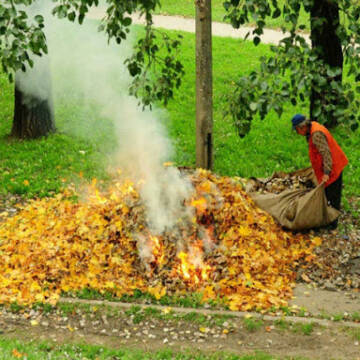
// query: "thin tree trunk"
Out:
[325,39]
[204,91]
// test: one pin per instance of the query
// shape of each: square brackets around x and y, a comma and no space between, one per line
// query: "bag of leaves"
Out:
[303,205]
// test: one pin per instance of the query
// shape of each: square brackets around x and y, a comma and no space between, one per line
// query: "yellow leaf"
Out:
[17,354]
[34,323]
[157,291]
[317,241]
[205,187]
[199,204]
[65,287]
[204,330]
[109,284]
[244,231]
[209,293]
[26,182]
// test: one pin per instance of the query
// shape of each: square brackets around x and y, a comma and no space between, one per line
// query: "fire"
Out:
[190,262]
[192,267]
[157,250]
[185,266]
[199,204]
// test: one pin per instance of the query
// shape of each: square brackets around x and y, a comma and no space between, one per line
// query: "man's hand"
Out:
[325,179]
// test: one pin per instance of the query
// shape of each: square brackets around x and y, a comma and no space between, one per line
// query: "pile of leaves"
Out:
[278,183]
[229,250]
[337,262]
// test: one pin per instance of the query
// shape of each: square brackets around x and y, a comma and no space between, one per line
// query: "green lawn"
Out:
[271,145]
[187,8]
[13,349]
[42,167]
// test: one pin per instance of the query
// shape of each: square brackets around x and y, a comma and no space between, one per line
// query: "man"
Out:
[326,156]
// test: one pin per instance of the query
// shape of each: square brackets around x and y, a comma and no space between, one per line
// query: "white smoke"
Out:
[87,70]
[35,83]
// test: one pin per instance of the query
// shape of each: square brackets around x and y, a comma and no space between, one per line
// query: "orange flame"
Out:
[185,266]
[199,204]
[157,250]
[192,267]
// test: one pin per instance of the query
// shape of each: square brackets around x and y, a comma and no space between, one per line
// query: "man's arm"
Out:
[321,144]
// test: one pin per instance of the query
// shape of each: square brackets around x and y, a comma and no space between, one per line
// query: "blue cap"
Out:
[297,119]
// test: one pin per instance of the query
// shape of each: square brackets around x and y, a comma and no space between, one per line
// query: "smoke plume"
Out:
[87,74]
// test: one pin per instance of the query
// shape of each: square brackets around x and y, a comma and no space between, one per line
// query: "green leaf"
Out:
[317,111]
[226,5]
[330,72]
[276,13]
[72,16]
[39,19]
[127,21]
[256,40]
[253,106]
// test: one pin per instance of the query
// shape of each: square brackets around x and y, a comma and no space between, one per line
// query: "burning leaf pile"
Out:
[227,249]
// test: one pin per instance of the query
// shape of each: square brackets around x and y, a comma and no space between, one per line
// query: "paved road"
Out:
[188,25]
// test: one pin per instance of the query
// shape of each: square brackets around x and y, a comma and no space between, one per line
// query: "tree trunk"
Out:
[33,112]
[33,118]
[325,39]
[204,91]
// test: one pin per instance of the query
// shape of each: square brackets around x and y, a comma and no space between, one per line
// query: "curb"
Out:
[237,314]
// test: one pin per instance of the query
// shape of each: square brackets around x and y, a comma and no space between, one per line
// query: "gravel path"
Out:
[188,25]
[136,328]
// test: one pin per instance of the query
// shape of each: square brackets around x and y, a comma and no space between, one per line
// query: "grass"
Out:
[252,325]
[270,146]
[190,300]
[355,334]
[187,8]
[48,164]
[138,315]
[355,316]
[305,329]
[12,349]
[43,167]
[282,324]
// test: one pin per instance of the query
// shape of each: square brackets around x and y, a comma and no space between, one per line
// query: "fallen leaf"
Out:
[305,278]
[17,354]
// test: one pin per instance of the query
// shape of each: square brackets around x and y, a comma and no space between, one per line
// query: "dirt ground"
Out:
[239,336]
[320,302]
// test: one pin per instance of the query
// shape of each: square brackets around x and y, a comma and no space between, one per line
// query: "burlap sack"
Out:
[298,209]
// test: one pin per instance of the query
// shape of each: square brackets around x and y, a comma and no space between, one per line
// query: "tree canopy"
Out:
[296,69]
[154,66]
[296,73]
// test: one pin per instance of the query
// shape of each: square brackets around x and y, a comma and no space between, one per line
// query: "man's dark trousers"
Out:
[333,195]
